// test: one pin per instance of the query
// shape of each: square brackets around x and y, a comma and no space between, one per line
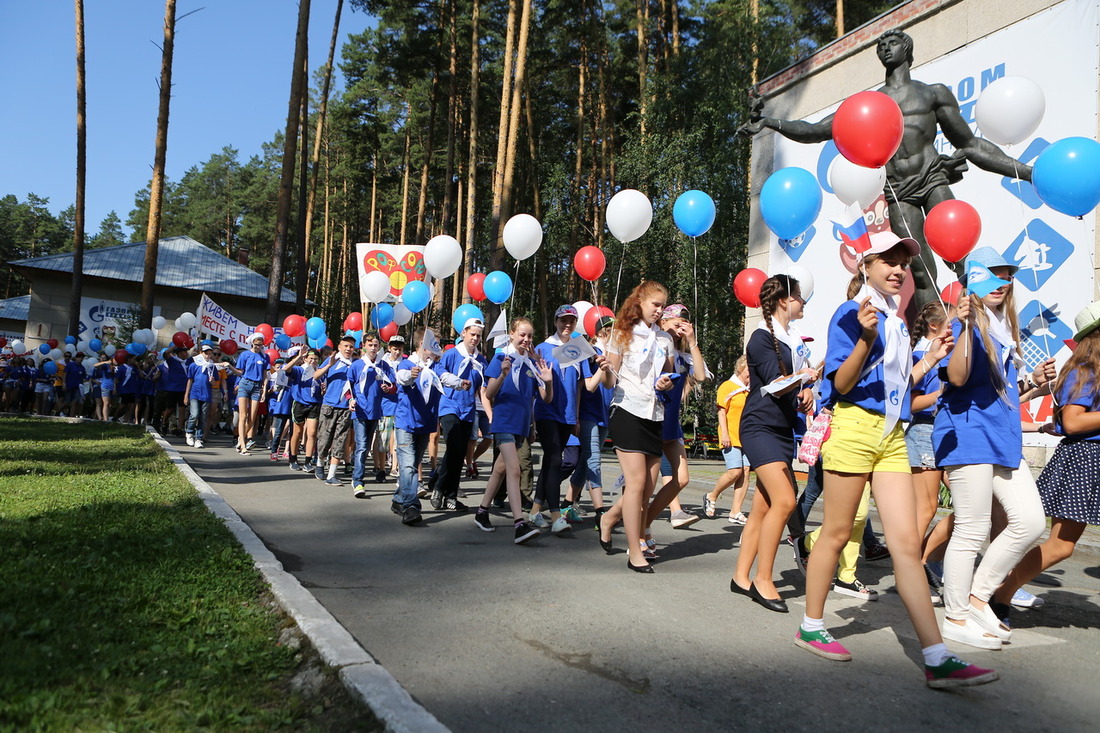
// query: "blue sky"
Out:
[231,79]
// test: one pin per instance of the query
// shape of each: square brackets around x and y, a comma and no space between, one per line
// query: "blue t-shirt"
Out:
[128,380]
[336,383]
[389,399]
[512,406]
[415,414]
[563,407]
[200,383]
[974,424]
[174,378]
[280,398]
[368,392]
[460,402]
[1089,399]
[75,373]
[103,375]
[930,383]
[870,391]
[252,365]
[595,406]
[301,389]
[671,429]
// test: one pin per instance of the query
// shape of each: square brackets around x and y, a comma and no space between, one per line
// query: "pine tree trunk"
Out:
[495,255]
[471,164]
[641,15]
[156,187]
[286,178]
[512,147]
[452,115]
[422,199]
[373,197]
[322,113]
[405,175]
[81,176]
[302,230]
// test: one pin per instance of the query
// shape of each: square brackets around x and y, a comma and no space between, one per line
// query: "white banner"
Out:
[101,318]
[1057,49]
[400,262]
[220,324]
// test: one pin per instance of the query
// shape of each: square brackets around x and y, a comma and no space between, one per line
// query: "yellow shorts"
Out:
[856,445]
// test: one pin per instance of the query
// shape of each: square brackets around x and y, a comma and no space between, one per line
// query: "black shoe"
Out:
[437,499]
[483,523]
[639,568]
[411,515]
[454,505]
[396,508]
[772,604]
[380,477]
[526,531]
[734,588]
[801,554]
[877,551]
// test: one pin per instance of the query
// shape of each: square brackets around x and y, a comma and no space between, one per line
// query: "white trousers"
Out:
[973,489]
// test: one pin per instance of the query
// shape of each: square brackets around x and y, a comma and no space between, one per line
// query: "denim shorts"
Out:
[248,388]
[918,441]
[502,438]
[734,458]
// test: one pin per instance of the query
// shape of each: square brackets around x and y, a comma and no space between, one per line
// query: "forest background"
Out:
[455,114]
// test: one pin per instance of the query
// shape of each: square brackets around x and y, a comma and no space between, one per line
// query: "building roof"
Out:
[181,263]
[15,308]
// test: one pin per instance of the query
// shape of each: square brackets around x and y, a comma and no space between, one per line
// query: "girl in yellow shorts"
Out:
[870,365]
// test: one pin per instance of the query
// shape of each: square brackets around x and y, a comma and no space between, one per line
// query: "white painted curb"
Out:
[360,673]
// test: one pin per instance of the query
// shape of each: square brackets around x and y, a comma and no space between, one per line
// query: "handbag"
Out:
[815,437]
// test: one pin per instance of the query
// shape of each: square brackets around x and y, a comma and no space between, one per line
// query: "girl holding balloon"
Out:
[778,368]
[103,375]
[251,367]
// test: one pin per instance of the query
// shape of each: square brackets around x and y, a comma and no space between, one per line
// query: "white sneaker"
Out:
[538,520]
[189,438]
[1022,599]
[682,519]
[198,444]
[987,621]
[969,633]
[561,524]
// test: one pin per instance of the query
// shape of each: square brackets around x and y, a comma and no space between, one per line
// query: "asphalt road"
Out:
[556,635]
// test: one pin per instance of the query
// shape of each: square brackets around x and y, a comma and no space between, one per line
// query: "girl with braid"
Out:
[775,352]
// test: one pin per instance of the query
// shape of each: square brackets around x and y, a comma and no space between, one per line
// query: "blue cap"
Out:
[991,258]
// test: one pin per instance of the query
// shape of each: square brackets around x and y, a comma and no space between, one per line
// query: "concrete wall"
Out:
[48,315]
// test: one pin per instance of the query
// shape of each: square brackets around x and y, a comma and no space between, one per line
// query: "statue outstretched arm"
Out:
[797,130]
[982,153]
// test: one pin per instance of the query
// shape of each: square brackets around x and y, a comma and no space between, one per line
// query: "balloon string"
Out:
[619,280]
[920,255]
[695,275]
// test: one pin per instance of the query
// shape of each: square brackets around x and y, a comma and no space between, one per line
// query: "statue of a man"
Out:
[918,177]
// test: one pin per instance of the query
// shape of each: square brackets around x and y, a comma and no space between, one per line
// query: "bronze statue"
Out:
[918,177]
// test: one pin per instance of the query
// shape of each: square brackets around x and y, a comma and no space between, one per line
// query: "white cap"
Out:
[473,322]
[253,336]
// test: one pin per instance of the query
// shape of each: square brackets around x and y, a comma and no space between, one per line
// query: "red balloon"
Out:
[475,286]
[228,347]
[867,128]
[3,342]
[52,342]
[589,262]
[180,338]
[272,355]
[387,332]
[950,294]
[354,321]
[266,331]
[328,343]
[594,314]
[746,286]
[120,356]
[294,325]
[952,229]
[448,347]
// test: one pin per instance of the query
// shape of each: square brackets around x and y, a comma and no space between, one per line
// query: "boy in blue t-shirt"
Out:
[196,395]
[419,390]
[369,376]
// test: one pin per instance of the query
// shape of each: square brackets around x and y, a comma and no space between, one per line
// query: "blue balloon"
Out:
[790,201]
[44,348]
[49,368]
[382,315]
[497,287]
[1067,175]
[208,342]
[415,296]
[70,340]
[315,328]
[282,341]
[318,343]
[465,312]
[95,345]
[357,335]
[136,349]
[694,213]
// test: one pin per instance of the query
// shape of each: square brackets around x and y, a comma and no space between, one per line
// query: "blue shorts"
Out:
[734,458]
[502,438]
[481,427]
[248,388]
[918,442]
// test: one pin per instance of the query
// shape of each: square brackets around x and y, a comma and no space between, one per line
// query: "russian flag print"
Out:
[852,230]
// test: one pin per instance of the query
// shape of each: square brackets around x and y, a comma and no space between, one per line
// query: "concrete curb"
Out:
[360,673]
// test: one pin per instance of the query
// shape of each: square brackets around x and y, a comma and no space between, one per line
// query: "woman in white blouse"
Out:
[640,357]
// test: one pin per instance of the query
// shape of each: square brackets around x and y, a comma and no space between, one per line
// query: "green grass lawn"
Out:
[125,605]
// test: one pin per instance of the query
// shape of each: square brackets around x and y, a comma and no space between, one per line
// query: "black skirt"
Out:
[634,434]
[1070,484]
[764,445]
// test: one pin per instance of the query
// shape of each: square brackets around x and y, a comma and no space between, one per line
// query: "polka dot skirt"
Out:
[1070,483]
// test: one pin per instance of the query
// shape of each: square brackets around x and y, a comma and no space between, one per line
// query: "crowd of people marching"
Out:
[886,414]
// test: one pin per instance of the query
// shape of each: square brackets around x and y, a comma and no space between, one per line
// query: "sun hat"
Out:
[565,311]
[991,258]
[676,310]
[253,336]
[886,240]
[1086,321]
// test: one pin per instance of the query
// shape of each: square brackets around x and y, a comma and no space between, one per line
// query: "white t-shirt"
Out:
[641,366]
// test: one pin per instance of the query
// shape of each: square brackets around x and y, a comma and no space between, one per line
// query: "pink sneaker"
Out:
[822,644]
[954,672]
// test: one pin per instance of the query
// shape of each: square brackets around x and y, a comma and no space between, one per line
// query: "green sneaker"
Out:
[954,672]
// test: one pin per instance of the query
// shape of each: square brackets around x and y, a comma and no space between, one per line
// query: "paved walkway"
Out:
[556,635]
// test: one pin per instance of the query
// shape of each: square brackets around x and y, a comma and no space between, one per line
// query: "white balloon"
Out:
[18,347]
[70,349]
[442,256]
[89,364]
[150,337]
[805,279]
[522,236]
[376,286]
[855,184]
[55,354]
[582,306]
[401,314]
[110,349]
[187,320]
[84,347]
[1010,109]
[158,322]
[629,214]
